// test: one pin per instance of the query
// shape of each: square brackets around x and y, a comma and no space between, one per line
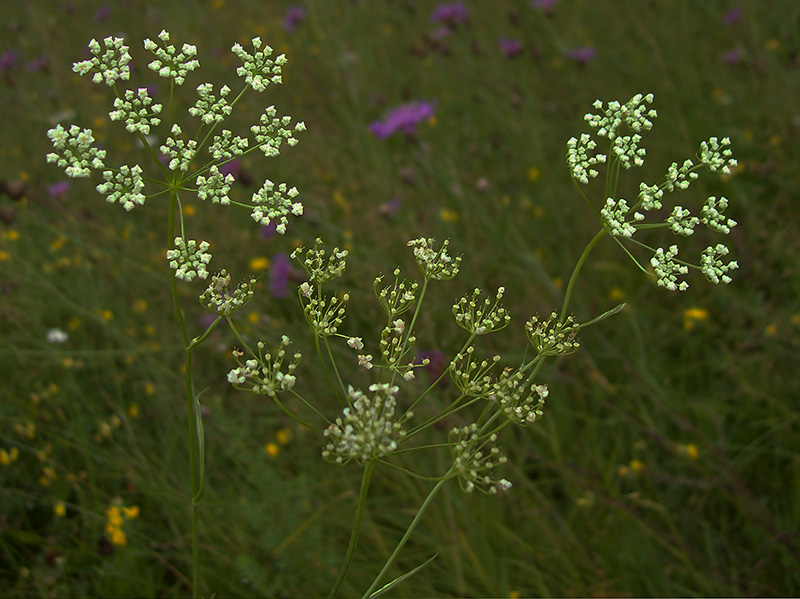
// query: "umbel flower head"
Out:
[622,220]
[367,428]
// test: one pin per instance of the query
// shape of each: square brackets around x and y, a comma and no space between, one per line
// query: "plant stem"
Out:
[190,405]
[369,467]
[407,534]
[568,294]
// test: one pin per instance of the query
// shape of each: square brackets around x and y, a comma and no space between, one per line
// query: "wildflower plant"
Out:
[370,425]
[185,165]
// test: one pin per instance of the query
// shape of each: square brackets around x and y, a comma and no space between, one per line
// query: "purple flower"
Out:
[101,14]
[233,167]
[279,275]
[453,13]
[543,4]
[391,207]
[57,190]
[582,54]
[403,118]
[268,231]
[8,60]
[37,64]
[293,16]
[437,363]
[732,56]
[733,15]
[510,47]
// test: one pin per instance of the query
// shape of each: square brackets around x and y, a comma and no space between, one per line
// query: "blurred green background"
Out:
[667,462]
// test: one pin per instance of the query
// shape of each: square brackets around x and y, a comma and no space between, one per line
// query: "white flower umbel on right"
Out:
[624,222]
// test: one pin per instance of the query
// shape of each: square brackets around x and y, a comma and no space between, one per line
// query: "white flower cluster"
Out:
[634,113]
[716,156]
[137,110]
[626,149]
[481,318]
[398,298]
[713,268]
[124,186]
[393,348]
[325,314]
[272,131]
[551,337]
[189,260]
[208,107]
[581,165]
[258,69]
[712,217]
[180,152]
[224,147]
[318,269]
[108,67]
[680,177]
[436,265]
[74,151]
[170,63]
[681,222]
[471,376]
[474,458]
[367,429]
[264,375]
[666,269]
[519,403]
[650,196]
[216,186]
[224,301]
[614,216]
[273,203]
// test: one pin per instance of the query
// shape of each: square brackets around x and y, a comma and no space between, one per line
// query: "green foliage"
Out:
[666,461]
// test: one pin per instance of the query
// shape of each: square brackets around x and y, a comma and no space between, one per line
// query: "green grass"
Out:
[609,495]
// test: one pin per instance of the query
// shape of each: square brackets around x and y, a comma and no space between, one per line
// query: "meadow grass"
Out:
[667,461]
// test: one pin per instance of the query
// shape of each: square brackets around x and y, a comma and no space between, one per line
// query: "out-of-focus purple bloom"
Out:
[268,231]
[37,64]
[279,275]
[510,47]
[453,13]
[403,118]
[437,363]
[732,56]
[733,15]
[101,14]
[9,60]
[231,168]
[582,54]
[57,190]
[543,4]
[293,16]
[207,319]
[391,208]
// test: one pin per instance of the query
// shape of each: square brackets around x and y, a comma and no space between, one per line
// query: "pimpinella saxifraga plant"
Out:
[373,424]
[187,164]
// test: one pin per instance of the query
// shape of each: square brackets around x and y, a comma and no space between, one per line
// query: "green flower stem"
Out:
[570,286]
[366,477]
[194,418]
[408,532]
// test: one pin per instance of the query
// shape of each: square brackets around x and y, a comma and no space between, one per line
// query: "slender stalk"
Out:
[190,406]
[570,286]
[366,477]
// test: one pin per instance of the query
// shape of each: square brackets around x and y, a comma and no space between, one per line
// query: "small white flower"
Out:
[56,335]
[356,343]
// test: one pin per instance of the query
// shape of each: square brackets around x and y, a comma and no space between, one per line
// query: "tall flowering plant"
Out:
[184,165]
[371,426]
